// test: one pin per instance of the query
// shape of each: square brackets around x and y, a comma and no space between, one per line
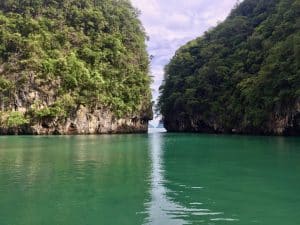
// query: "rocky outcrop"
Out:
[83,121]
[283,123]
[33,98]
[287,123]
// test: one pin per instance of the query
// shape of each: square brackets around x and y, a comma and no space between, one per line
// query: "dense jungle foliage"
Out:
[83,52]
[240,73]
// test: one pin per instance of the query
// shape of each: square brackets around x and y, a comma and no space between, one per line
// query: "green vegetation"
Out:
[244,74]
[73,52]
[12,119]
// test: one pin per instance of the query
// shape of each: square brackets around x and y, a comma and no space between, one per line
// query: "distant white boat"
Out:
[156,130]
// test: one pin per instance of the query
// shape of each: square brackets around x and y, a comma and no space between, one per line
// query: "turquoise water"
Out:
[150,179]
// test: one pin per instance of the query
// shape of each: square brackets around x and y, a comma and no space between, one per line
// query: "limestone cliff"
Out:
[73,67]
[34,100]
[287,123]
[243,76]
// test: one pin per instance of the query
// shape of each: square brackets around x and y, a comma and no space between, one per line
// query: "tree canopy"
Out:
[242,74]
[78,52]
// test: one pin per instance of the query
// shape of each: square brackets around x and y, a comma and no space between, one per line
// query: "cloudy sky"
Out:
[172,23]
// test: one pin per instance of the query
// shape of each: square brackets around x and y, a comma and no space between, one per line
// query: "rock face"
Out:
[79,120]
[278,124]
[287,124]
[82,122]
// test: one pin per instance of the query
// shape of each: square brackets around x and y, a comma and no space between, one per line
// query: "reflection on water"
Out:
[150,179]
[165,209]
[161,208]
[216,180]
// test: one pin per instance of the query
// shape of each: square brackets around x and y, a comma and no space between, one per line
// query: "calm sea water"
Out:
[153,179]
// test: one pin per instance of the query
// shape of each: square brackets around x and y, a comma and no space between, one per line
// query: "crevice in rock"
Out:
[72,128]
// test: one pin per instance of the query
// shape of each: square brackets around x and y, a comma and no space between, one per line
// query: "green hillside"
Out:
[242,76]
[58,55]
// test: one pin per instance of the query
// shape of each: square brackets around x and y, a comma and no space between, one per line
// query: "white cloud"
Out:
[171,23]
